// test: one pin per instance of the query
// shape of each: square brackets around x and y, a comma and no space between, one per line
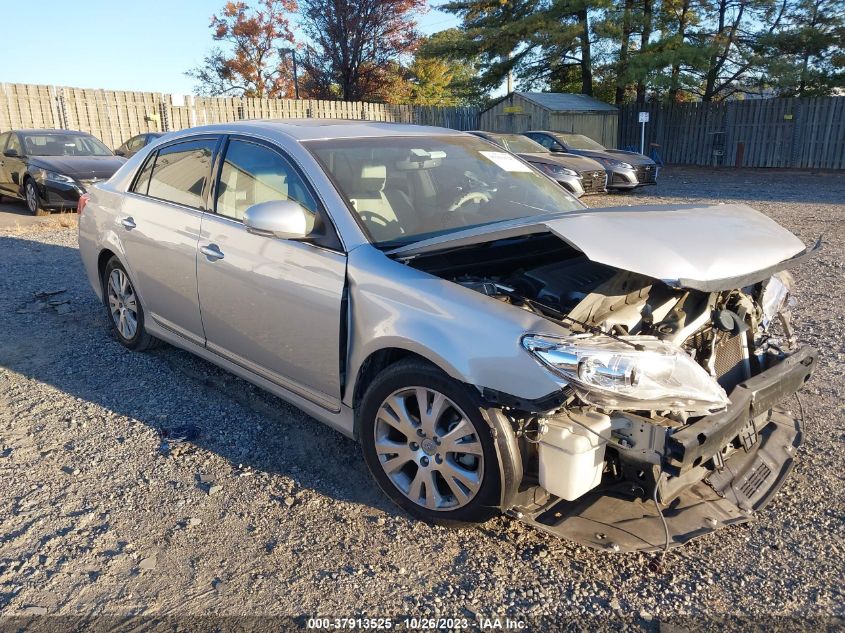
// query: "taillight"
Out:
[83,200]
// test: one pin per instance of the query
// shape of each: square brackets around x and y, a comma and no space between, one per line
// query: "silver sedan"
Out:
[493,345]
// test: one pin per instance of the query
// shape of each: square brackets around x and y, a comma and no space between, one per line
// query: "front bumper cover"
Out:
[696,499]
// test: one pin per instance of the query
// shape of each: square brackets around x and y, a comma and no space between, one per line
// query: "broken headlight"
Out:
[631,373]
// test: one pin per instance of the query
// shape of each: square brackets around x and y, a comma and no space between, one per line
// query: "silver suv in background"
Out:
[625,170]
[577,174]
[493,345]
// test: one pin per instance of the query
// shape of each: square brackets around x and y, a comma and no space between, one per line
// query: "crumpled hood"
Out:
[80,167]
[572,161]
[680,244]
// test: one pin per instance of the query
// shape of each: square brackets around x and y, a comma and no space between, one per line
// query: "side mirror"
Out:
[119,152]
[11,153]
[557,149]
[285,219]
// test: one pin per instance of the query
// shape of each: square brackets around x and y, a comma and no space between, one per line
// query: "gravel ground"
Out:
[267,512]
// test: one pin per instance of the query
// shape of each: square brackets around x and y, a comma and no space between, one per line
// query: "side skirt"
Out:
[343,421]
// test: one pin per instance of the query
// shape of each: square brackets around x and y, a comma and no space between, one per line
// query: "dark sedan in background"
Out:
[625,170]
[579,175]
[50,169]
[136,143]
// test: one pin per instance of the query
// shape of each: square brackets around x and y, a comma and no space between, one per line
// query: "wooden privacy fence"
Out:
[114,115]
[783,132]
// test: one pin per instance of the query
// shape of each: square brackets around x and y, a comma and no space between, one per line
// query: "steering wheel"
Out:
[375,218]
[379,226]
[472,196]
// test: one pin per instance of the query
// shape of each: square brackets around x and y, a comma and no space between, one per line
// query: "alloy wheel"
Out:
[123,304]
[31,197]
[429,449]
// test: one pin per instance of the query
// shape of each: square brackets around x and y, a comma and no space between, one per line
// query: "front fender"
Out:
[472,337]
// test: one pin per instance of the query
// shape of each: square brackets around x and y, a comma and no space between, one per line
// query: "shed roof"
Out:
[564,102]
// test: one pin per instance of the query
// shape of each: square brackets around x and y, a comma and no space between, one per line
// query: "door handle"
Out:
[128,223]
[212,251]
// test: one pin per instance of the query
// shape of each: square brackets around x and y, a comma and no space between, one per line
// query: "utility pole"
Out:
[292,52]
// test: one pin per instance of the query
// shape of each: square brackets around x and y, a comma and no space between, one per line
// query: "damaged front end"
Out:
[671,415]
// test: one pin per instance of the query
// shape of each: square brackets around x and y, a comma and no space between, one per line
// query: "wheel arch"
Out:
[509,457]
[377,362]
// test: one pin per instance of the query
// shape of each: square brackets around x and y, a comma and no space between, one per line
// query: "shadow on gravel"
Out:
[53,330]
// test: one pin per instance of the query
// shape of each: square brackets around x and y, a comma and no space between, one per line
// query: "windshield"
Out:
[579,141]
[518,144]
[63,145]
[405,189]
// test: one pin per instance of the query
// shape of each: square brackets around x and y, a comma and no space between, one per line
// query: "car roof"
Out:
[553,133]
[49,131]
[318,129]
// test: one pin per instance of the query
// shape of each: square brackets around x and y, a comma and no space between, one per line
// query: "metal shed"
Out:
[554,111]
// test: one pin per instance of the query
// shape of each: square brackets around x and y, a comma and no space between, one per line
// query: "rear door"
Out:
[160,226]
[272,306]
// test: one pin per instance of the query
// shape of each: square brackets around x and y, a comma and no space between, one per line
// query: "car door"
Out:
[159,226]
[270,305]
[12,168]
[5,180]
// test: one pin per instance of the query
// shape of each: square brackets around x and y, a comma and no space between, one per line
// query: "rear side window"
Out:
[180,172]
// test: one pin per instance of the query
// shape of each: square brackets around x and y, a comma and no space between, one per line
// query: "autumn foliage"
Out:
[355,46]
[252,65]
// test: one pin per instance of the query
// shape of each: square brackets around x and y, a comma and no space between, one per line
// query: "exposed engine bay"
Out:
[589,444]
[731,334]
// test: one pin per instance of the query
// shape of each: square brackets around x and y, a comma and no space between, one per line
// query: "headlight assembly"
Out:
[556,170]
[52,176]
[613,374]
[612,162]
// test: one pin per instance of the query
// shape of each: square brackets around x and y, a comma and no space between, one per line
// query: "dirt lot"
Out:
[266,512]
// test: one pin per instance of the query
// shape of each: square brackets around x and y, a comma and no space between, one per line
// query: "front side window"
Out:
[180,172]
[15,144]
[63,144]
[252,174]
[404,189]
[135,143]
[545,141]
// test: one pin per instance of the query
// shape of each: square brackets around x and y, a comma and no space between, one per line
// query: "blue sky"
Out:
[118,45]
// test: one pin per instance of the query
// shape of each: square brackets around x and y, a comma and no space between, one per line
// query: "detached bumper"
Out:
[697,499]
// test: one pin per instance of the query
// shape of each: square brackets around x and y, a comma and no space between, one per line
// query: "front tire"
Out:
[33,199]
[428,446]
[124,309]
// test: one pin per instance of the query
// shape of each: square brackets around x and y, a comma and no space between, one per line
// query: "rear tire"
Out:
[408,452]
[32,198]
[124,309]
